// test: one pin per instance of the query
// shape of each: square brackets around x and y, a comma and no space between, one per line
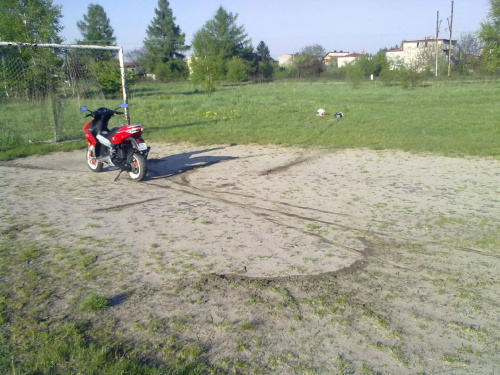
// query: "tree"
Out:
[262,52]
[380,62]
[366,64]
[237,69]
[468,51]
[264,66]
[207,71]
[165,43]
[135,55]
[308,65]
[35,21]
[468,44]
[221,36]
[490,36]
[314,50]
[214,45]
[173,70]
[265,69]
[96,29]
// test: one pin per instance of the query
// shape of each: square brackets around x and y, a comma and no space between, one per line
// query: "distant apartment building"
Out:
[285,59]
[420,52]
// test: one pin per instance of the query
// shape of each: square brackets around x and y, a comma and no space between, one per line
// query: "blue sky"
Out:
[286,26]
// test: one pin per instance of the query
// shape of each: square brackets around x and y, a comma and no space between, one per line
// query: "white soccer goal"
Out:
[42,87]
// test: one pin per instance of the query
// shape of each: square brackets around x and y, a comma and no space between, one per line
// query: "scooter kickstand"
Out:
[117,177]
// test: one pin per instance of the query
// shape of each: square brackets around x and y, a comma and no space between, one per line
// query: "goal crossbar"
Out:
[83,46]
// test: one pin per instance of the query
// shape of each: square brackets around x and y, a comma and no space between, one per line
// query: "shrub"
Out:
[290,71]
[388,77]
[236,70]
[109,77]
[207,71]
[354,75]
[266,69]
[410,76]
[171,71]
[334,72]
[308,66]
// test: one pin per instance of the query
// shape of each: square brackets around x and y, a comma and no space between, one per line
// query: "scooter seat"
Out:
[111,133]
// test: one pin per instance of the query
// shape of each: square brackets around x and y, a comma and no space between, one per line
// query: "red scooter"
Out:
[122,147]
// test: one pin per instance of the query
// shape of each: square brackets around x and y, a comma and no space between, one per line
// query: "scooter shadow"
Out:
[172,165]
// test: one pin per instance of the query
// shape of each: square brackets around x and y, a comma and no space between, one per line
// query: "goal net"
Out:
[42,88]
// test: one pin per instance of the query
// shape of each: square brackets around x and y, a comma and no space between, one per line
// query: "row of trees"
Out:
[221,49]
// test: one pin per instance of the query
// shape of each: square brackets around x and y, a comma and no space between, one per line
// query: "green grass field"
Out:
[450,118]
[453,118]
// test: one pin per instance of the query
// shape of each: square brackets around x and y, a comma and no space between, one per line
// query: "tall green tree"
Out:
[222,36]
[468,52]
[490,36]
[315,50]
[165,43]
[265,66]
[30,21]
[214,45]
[262,51]
[380,62]
[96,29]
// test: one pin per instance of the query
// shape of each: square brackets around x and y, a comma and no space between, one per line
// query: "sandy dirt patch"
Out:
[284,260]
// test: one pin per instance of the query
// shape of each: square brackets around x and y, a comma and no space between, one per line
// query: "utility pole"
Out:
[450,26]
[437,36]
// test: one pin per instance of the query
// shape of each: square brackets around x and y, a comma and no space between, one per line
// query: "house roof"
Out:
[395,50]
[354,54]
[337,53]
[427,40]
[332,56]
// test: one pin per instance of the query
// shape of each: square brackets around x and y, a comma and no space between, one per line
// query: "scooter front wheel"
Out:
[94,165]
[139,168]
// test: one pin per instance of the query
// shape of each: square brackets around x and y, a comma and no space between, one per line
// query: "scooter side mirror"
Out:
[124,105]
[83,108]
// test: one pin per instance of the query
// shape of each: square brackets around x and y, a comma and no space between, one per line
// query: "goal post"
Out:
[43,85]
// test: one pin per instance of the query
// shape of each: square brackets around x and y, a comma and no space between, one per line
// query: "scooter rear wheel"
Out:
[94,165]
[139,168]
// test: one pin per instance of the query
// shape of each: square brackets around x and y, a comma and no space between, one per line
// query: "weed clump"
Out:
[95,302]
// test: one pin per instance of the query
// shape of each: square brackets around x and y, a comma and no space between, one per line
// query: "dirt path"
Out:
[279,260]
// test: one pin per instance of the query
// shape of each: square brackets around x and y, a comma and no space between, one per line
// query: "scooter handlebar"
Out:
[102,112]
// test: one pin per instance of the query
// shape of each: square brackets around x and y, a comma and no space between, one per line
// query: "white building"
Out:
[347,59]
[331,58]
[285,59]
[419,52]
